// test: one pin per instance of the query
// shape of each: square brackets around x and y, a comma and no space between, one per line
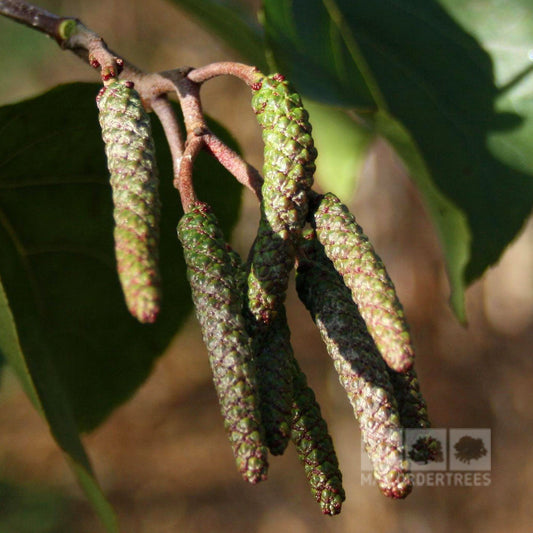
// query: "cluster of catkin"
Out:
[264,397]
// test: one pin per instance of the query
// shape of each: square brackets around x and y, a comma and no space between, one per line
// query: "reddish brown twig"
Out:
[183,181]
[244,172]
[249,74]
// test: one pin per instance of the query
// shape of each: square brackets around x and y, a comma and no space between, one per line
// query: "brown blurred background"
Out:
[163,458]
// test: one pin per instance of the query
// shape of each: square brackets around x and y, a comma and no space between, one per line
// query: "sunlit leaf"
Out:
[431,78]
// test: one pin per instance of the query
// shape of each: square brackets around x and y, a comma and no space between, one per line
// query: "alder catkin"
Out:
[363,272]
[289,156]
[272,351]
[411,404]
[131,161]
[314,446]
[218,305]
[271,260]
[289,164]
[361,369]
[273,356]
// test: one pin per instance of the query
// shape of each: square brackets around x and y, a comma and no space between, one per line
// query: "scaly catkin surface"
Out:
[411,404]
[273,354]
[289,157]
[271,260]
[314,446]
[131,161]
[363,272]
[361,369]
[218,304]
[289,164]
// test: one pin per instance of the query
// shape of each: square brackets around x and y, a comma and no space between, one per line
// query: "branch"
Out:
[32,16]
[72,35]
[162,108]
[183,182]
[243,171]
[250,75]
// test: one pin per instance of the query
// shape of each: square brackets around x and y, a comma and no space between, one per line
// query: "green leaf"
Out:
[450,223]
[233,23]
[505,30]
[310,48]
[434,82]
[64,326]
[35,370]
[342,146]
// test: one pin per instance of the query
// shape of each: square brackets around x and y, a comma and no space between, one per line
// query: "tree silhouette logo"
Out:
[468,449]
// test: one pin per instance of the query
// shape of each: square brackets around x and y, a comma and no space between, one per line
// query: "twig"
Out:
[183,182]
[72,35]
[163,109]
[189,97]
[250,75]
[244,172]
[32,16]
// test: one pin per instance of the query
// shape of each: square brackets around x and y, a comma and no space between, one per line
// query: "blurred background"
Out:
[163,458]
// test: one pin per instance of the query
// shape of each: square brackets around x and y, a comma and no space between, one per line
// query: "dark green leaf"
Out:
[435,83]
[233,23]
[64,326]
[56,222]
[39,379]
[311,48]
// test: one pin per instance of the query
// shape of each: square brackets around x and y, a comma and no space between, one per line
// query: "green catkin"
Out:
[218,305]
[361,369]
[363,272]
[131,161]
[289,156]
[239,271]
[289,164]
[273,355]
[414,415]
[411,404]
[314,446]
[271,260]
[272,352]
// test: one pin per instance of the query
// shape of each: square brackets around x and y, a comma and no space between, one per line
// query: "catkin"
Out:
[271,351]
[289,164]
[218,305]
[273,355]
[363,272]
[289,156]
[361,369]
[411,404]
[314,446]
[271,260]
[131,161]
